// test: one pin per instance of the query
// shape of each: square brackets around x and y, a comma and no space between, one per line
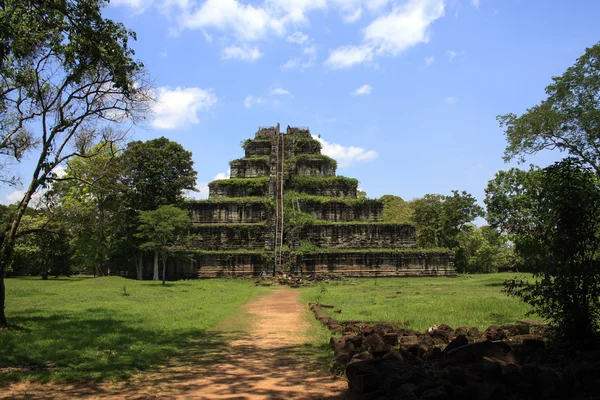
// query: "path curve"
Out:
[262,361]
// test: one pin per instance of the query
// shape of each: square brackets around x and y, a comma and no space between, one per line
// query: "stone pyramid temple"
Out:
[284,209]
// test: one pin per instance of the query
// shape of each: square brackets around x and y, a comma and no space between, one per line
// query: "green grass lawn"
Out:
[87,328]
[475,300]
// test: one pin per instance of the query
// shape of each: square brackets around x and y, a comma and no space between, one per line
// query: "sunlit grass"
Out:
[108,328]
[474,300]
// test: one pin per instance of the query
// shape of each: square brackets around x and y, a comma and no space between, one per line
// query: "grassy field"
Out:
[82,329]
[473,300]
[108,328]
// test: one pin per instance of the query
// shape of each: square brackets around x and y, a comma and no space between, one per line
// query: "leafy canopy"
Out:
[556,235]
[157,172]
[567,120]
[439,219]
[163,230]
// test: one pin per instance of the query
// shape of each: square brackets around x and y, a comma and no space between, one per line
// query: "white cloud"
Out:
[451,100]
[398,24]
[222,175]
[391,34]
[59,170]
[13,197]
[290,12]
[451,54]
[404,27]
[202,190]
[207,36]
[475,3]
[17,195]
[249,101]
[297,37]
[429,60]
[352,16]
[244,21]
[307,60]
[280,92]
[243,53]
[176,108]
[363,90]
[346,155]
[375,5]
[138,5]
[200,193]
[347,56]
[292,63]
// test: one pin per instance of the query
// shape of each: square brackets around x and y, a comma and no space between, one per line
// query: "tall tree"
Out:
[482,249]
[89,195]
[66,74]
[162,231]
[396,210]
[567,120]
[42,247]
[558,239]
[440,219]
[511,200]
[156,173]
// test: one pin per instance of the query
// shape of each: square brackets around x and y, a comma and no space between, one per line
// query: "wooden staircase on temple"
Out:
[241,230]
[279,204]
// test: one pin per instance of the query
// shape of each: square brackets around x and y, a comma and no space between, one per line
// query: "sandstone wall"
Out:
[257,148]
[228,237]
[339,211]
[360,236]
[228,265]
[254,187]
[322,168]
[376,264]
[211,212]
[249,168]
[331,191]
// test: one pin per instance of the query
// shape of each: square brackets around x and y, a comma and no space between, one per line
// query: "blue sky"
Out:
[403,93]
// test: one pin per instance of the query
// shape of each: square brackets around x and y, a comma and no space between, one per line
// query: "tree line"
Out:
[70,88]
[106,211]
[447,221]
[546,220]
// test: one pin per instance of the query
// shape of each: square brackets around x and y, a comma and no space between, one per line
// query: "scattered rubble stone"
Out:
[511,361]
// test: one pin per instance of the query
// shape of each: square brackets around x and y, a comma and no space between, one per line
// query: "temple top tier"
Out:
[268,131]
[294,156]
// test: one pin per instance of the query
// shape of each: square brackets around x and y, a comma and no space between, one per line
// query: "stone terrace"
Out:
[327,228]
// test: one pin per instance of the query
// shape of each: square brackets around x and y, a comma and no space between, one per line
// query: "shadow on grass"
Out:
[193,364]
[74,278]
[495,284]
[62,348]
[247,367]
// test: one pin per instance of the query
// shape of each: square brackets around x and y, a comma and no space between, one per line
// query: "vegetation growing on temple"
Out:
[311,183]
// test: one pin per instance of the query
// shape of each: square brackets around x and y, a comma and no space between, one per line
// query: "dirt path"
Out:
[268,357]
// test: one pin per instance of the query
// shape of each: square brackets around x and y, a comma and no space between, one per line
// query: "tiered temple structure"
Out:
[284,209]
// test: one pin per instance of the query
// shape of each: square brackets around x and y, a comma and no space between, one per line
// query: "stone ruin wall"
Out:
[234,230]
[361,236]
[379,264]
[220,265]
[227,213]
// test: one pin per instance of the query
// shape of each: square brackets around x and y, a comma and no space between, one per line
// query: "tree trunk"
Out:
[155,277]
[140,267]
[164,270]
[8,243]
[3,321]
